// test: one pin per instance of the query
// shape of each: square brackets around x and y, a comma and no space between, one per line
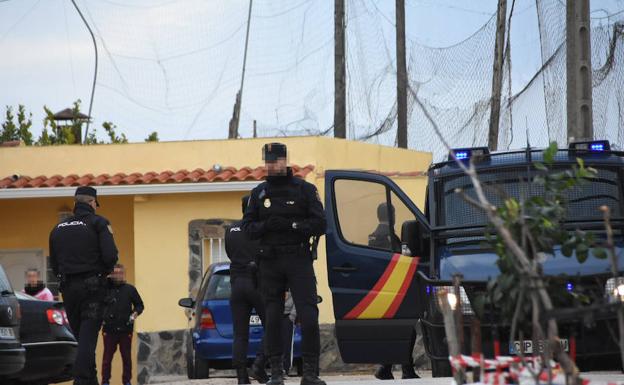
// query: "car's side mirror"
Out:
[186,302]
[411,236]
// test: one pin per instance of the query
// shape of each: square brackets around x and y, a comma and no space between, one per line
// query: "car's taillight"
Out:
[207,322]
[57,317]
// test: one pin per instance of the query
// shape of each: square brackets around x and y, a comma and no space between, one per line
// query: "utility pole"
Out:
[497,75]
[401,75]
[340,89]
[233,129]
[578,68]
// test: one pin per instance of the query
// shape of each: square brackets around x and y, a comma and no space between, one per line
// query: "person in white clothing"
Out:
[35,286]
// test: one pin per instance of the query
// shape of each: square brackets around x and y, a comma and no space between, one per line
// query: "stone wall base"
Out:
[163,353]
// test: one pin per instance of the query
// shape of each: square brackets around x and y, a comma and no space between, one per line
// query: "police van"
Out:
[386,257]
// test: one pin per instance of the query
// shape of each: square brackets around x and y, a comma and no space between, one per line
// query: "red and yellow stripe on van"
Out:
[386,296]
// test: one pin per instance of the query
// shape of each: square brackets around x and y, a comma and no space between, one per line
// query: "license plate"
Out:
[254,320]
[6,333]
[528,348]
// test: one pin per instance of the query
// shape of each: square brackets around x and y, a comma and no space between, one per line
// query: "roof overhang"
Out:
[136,189]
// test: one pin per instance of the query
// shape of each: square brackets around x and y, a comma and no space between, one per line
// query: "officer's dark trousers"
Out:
[83,303]
[294,271]
[245,297]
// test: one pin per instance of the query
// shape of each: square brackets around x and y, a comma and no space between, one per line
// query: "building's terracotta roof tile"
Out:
[12,143]
[198,175]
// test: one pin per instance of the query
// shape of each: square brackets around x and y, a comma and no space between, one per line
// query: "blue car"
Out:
[209,343]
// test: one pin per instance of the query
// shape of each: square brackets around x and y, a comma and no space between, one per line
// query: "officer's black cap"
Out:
[89,191]
[273,151]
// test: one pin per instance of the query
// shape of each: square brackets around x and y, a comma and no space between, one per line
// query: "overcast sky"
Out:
[175,66]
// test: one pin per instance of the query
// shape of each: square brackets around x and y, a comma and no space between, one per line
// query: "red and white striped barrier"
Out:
[504,370]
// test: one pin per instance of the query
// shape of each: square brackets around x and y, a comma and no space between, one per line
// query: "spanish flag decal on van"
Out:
[386,296]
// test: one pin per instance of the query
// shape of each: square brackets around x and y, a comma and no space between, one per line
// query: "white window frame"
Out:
[207,254]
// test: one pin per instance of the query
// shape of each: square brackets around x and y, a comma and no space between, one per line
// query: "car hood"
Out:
[474,264]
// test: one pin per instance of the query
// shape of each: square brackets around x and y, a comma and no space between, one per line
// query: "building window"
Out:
[214,251]
[206,246]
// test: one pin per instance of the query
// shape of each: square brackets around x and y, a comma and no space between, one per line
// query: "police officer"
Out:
[384,238]
[82,253]
[284,213]
[245,296]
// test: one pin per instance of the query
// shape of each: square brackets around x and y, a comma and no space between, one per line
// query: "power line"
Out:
[19,20]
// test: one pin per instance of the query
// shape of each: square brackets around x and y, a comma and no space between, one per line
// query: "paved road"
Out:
[366,379]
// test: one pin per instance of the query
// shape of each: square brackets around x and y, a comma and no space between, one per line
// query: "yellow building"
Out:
[168,203]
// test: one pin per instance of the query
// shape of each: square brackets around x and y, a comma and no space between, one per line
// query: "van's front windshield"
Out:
[582,201]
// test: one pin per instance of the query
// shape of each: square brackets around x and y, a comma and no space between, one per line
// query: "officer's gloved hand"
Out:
[278,224]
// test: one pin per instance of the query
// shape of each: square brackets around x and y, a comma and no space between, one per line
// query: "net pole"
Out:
[497,76]
[401,75]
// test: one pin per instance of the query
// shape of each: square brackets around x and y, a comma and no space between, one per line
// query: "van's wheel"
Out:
[196,368]
[441,368]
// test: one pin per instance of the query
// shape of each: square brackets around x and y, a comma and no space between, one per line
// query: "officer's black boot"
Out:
[408,372]
[242,376]
[277,371]
[258,372]
[310,372]
[384,372]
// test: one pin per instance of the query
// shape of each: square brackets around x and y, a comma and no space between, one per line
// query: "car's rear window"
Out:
[5,285]
[218,286]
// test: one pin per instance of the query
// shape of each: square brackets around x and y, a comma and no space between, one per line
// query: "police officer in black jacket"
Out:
[284,213]
[245,296]
[384,238]
[82,253]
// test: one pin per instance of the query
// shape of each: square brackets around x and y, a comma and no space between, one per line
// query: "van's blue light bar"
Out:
[467,153]
[592,146]
[461,155]
[597,147]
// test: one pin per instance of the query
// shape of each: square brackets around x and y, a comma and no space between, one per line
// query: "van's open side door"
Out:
[376,293]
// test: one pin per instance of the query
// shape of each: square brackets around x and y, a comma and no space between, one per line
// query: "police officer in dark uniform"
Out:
[384,238]
[284,213]
[245,296]
[82,253]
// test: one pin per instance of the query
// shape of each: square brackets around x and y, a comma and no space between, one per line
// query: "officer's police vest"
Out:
[287,201]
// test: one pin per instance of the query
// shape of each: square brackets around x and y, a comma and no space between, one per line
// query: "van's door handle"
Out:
[346,268]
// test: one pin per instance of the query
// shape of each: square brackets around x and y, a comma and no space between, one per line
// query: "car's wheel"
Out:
[441,368]
[190,359]
[196,367]
[201,368]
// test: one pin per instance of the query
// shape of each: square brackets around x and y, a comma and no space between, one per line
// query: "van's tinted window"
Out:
[365,216]
[219,286]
